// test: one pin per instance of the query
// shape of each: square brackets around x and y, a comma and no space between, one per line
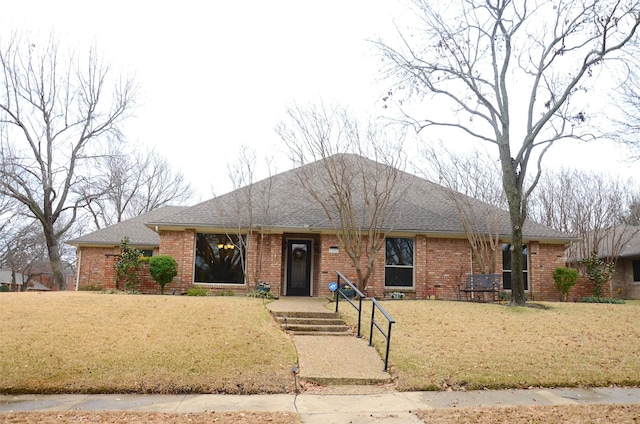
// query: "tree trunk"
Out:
[512,183]
[55,260]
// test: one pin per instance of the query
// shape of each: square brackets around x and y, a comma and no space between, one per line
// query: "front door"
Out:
[299,267]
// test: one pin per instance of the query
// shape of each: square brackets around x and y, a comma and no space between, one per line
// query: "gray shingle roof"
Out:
[426,208]
[134,228]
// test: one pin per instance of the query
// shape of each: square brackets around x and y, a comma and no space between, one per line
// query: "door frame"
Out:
[309,263]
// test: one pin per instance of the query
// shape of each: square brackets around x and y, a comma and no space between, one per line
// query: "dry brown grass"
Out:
[96,343]
[565,414]
[438,345]
[578,414]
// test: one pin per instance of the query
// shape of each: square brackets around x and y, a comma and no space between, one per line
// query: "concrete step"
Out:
[304,314]
[314,321]
[315,328]
[321,333]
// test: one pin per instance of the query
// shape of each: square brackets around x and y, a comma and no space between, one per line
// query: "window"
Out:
[147,253]
[636,271]
[219,259]
[506,267]
[398,271]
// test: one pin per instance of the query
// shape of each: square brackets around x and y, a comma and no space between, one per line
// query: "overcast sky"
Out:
[216,75]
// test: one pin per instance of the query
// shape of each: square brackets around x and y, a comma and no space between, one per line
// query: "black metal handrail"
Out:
[340,293]
[387,336]
[375,304]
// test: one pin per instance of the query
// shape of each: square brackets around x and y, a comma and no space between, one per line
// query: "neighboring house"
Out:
[35,277]
[619,244]
[625,283]
[97,252]
[426,251]
[6,279]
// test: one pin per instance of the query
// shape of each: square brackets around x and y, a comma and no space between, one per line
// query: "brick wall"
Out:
[440,263]
[623,285]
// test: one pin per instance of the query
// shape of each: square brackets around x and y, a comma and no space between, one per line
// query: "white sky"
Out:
[218,74]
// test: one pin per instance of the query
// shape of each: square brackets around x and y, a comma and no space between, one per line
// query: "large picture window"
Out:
[398,271]
[219,259]
[506,266]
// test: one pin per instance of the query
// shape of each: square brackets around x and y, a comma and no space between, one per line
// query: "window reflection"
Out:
[219,258]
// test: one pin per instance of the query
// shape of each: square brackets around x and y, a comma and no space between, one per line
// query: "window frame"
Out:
[389,266]
[233,242]
[635,271]
[507,247]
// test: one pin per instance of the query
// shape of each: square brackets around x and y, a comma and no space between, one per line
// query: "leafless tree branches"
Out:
[53,106]
[361,198]
[511,73]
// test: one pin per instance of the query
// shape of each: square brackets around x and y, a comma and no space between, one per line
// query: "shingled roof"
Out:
[139,234]
[426,208]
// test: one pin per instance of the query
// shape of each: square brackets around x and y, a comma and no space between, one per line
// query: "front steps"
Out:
[312,323]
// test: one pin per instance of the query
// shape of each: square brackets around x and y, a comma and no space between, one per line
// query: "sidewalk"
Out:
[388,406]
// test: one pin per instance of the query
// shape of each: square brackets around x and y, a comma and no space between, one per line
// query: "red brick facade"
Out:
[439,264]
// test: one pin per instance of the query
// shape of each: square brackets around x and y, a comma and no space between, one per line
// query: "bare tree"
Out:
[511,73]
[478,178]
[360,198]
[591,206]
[124,184]
[54,107]
[254,203]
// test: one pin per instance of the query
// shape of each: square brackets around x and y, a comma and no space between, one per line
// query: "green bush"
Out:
[598,271]
[162,269]
[261,293]
[91,287]
[198,291]
[565,278]
[596,299]
[128,266]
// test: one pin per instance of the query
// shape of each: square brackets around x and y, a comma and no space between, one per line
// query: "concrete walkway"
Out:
[330,359]
[385,407]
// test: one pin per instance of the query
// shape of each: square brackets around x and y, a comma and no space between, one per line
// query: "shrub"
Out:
[261,293]
[127,266]
[596,299]
[505,296]
[198,291]
[598,271]
[226,293]
[162,269]
[91,287]
[565,278]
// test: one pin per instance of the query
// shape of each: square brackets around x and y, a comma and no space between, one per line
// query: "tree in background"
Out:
[593,207]
[477,177]
[54,107]
[356,179]
[125,183]
[511,73]
[254,203]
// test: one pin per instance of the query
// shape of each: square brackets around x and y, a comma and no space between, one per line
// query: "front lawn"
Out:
[438,345]
[97,343]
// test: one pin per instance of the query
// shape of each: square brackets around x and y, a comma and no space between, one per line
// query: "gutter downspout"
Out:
[78,268]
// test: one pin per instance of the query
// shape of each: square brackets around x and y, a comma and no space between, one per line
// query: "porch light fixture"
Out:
[334,250]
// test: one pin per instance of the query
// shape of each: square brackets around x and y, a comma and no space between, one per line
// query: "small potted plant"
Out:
[263,287]
[348,291]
